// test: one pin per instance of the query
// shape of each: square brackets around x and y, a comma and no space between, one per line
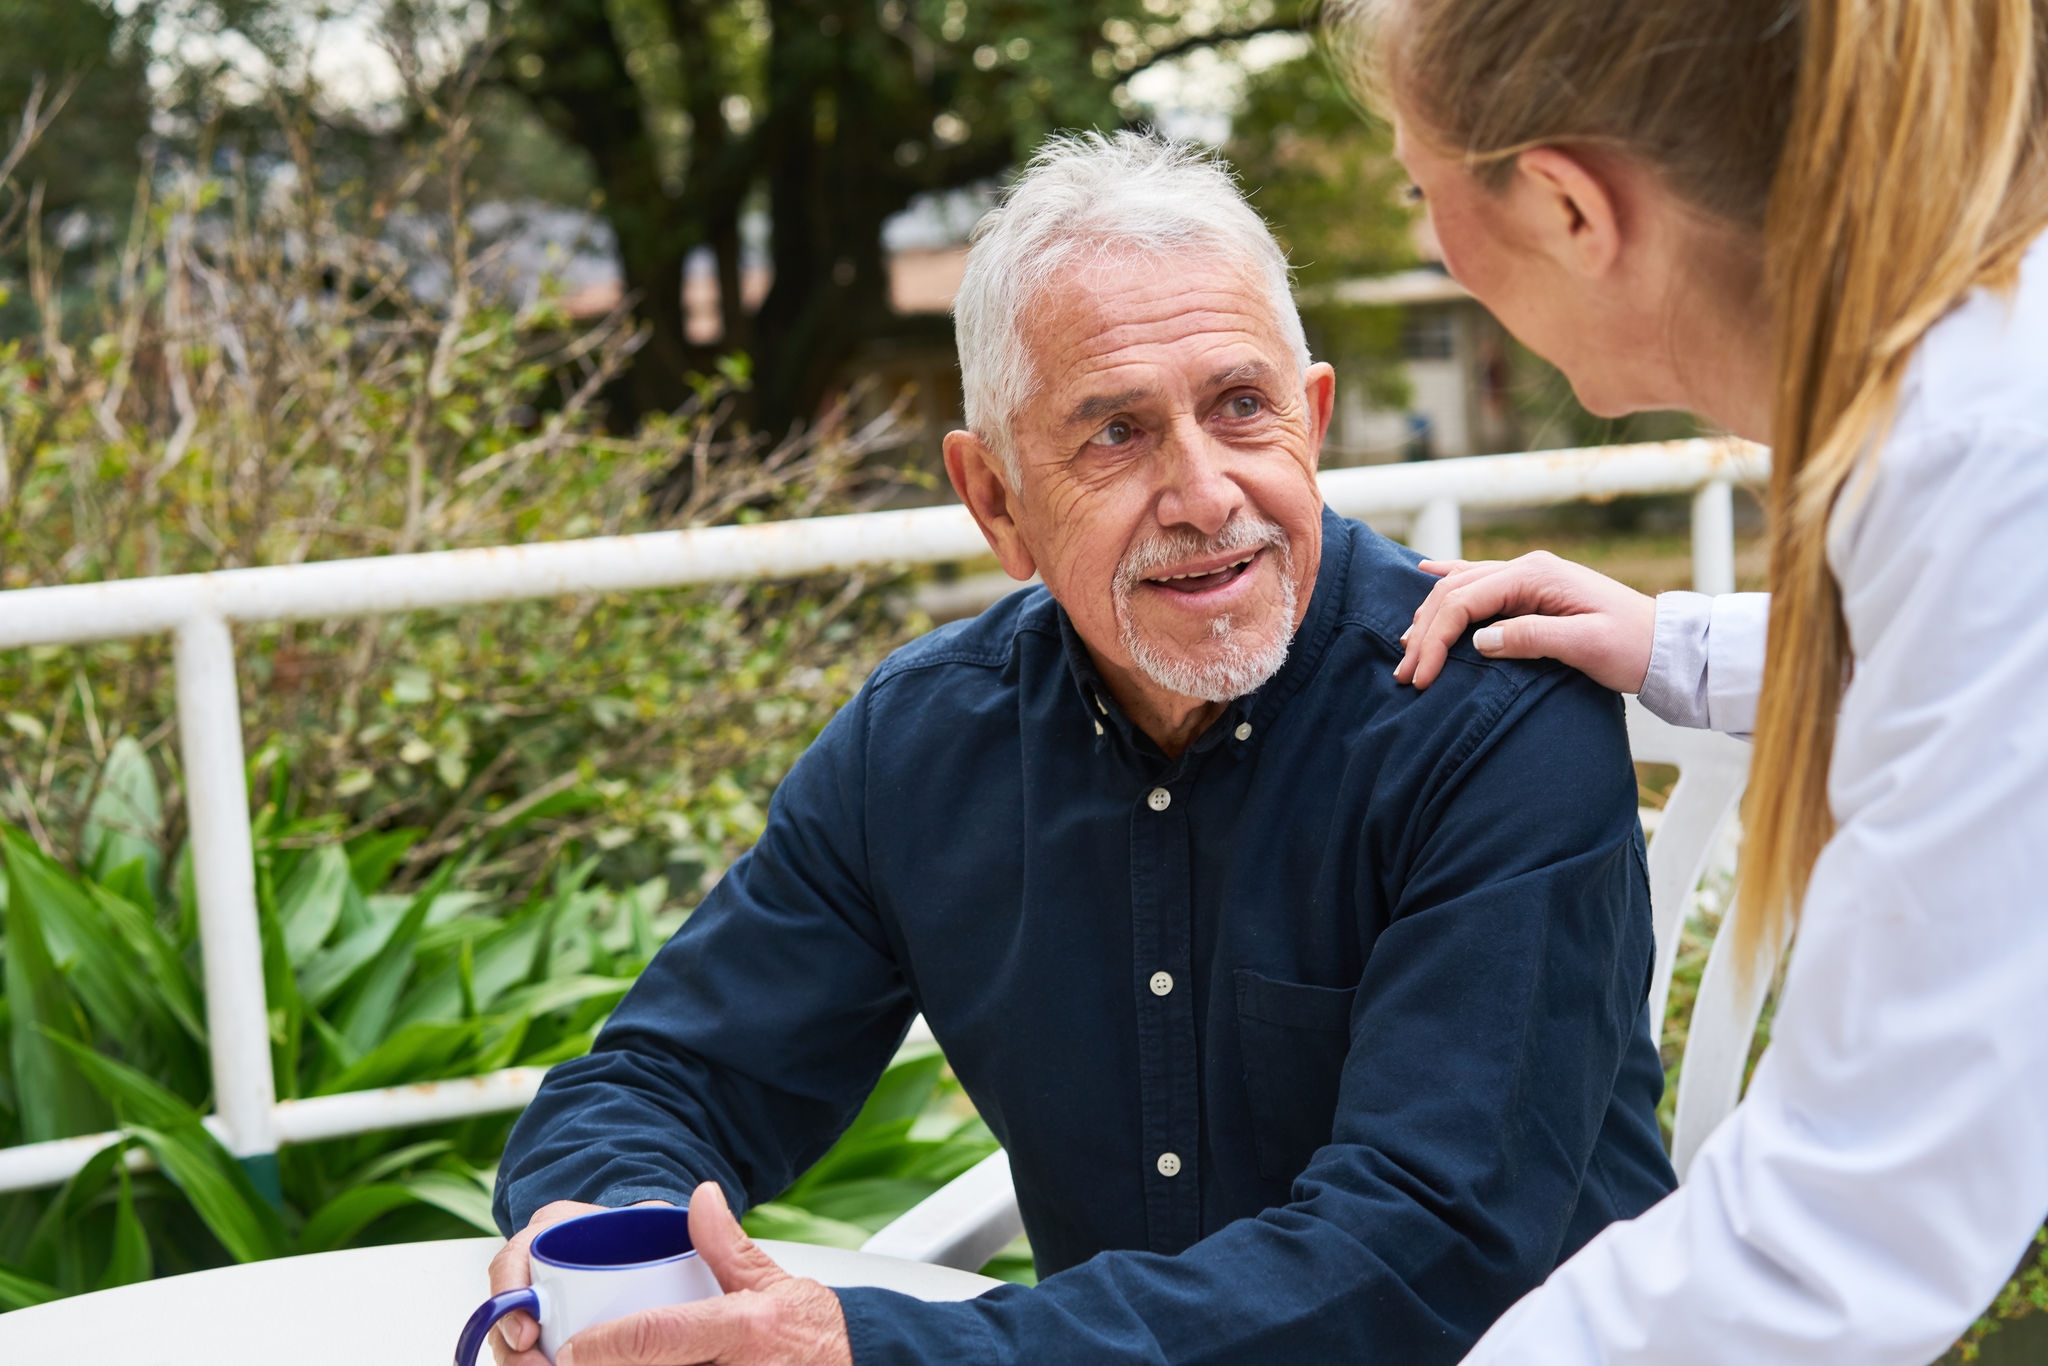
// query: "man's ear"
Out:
[1319,388]
[1569,205]
[977,475]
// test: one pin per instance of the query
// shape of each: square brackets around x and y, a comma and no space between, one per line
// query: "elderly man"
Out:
[1308,1007]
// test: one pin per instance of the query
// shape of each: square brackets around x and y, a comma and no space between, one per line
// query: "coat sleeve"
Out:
[1876,1186]
[751,1040]
[1490,1035]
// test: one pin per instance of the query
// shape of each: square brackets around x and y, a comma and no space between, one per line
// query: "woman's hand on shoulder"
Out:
[1550,609]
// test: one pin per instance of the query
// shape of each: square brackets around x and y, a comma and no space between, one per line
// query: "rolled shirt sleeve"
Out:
[1707,660]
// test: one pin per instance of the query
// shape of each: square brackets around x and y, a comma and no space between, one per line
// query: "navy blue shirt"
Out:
[1323,1041]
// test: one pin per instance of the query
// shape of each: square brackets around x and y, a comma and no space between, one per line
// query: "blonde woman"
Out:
[1817,223]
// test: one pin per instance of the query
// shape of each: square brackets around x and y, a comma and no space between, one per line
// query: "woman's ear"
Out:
[977,475]
[1570,209]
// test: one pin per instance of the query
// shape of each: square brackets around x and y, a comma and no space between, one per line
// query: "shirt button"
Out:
[1159,799]
[1162,983]
[1169,1164]
[1244,730]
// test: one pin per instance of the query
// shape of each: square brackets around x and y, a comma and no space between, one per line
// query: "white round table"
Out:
[372,1306]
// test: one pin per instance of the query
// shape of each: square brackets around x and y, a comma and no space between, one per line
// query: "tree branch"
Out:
[1195,41]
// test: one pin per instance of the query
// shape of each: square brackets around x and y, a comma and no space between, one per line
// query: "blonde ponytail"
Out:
[1913,172]
[1888,156]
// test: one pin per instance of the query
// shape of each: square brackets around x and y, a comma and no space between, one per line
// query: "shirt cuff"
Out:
[1735,660]
[618,1197]
[1707,660]
[884,1328]
[1675,688]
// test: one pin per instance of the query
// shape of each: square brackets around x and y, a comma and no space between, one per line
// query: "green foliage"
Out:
[2024,1297]
[88,162]
[915,1133]
[1324,175]
[369,988]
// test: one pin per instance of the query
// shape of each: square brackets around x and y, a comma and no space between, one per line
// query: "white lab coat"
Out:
[1890,1163]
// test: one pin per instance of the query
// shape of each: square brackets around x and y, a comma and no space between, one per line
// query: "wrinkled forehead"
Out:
[1136,307]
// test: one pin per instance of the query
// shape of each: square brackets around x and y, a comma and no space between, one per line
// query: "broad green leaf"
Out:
[159,957]
[55,1100]
[365,1019]
[794,1224]
[545,997]
[335,1051]
[903,1091]
[107,977]
[462,1196]
[410,1155]
[129,882]
[572,1046]
[129,1262]
[503,1037]
[349,1213]
[126,821]
[60,1217]
[309,905]
[948,1158]
[325,977]
[502,958]
[871,1150]
[417,1052]
[137,1098]
[23,1292]
[220,1191]
[372,858]
[870,1203]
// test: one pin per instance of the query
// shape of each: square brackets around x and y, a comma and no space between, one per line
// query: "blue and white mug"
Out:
[595,1268]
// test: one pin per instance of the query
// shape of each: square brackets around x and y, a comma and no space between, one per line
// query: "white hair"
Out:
[1093,195]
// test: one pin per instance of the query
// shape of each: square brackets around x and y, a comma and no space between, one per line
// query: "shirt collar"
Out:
[1256,709]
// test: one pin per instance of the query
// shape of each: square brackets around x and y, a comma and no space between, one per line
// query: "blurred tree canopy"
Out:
[1324,175]
[88,159]
[689,123]
[831,115]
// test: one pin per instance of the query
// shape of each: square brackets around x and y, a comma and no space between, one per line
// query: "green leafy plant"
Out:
[104,1032]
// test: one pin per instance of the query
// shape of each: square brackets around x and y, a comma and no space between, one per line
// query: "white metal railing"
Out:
[198,609]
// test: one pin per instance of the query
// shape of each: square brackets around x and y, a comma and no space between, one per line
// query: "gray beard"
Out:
[1239,666]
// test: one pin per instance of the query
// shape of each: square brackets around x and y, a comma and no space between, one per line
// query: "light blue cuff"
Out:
[1707,660]
[1675,688]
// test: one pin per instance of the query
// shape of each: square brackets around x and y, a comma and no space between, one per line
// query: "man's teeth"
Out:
[1209,573]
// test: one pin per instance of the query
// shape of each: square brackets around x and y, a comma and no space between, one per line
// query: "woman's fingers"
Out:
[1556,610]
[1469,596]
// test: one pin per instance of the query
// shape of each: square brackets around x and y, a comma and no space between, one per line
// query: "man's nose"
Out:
[1196,490]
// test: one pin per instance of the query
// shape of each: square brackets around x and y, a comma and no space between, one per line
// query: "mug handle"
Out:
[470,1345]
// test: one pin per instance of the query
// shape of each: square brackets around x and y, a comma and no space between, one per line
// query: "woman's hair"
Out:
[1891,155]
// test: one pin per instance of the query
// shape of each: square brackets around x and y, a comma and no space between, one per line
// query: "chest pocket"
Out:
[1294,1039]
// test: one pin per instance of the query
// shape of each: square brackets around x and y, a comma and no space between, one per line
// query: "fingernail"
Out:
[565,1357]
[1407,633]
[1488,639]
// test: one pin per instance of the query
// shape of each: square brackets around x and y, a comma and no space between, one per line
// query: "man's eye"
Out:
[1113,434]
[1246,405]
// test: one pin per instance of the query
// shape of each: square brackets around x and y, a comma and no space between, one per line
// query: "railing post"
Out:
[1438,530]
[1713,538]
[224,870]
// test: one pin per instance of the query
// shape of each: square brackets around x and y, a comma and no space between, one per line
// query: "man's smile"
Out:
[1206,576]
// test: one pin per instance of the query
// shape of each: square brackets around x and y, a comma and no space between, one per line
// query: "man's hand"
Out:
[766,1316]
[1557,609]
[517,1341]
